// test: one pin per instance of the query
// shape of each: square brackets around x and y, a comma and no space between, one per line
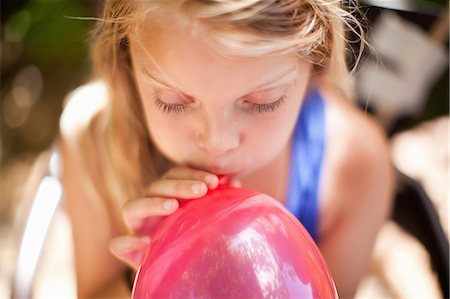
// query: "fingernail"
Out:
[169,204]
[197,188]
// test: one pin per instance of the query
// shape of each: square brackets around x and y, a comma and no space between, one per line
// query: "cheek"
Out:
[162,127]
[273,135]
[267,137]
[169,133]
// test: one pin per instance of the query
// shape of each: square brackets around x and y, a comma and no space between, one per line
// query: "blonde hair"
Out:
[313,29]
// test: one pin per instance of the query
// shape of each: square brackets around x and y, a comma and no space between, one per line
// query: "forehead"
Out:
[179,52]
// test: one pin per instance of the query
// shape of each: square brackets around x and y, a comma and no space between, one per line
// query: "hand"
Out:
[142,215]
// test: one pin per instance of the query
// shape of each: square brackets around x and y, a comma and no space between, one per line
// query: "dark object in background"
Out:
[414,211]
[422,86]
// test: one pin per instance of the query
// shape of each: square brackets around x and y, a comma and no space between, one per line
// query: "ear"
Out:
[130,249]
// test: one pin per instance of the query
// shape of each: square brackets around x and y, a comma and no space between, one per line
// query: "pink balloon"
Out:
[232,243]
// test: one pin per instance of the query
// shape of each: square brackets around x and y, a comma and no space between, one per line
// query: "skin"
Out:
[220,132]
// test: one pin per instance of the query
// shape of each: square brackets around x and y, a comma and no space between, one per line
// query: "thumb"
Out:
[130,249]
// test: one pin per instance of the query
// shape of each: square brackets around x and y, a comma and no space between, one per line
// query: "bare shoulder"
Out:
[354,135]
[79,131]
[79,128]
[80,107]
[356,193]
[85,199]
[357,168]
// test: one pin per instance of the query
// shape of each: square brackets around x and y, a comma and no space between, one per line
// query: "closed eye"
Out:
[170,108]
[178,108]
[266,108]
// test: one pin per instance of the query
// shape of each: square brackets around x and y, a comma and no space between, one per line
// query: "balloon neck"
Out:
[224,180]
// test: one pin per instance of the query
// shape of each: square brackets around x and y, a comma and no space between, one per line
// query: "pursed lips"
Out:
[219,168]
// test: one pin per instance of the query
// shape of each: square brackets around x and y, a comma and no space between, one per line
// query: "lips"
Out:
[220,170]
[216,168]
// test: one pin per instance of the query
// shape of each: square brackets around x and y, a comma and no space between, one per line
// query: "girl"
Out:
[188,90]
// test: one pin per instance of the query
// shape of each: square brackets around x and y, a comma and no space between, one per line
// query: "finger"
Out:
[185,173]
[129,249]
[137,212]
[182,189]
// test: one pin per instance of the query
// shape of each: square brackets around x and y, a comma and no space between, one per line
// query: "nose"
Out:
[218,136]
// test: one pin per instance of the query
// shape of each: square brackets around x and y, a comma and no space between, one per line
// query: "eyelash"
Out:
[267,108]
[257,108]
[170,108]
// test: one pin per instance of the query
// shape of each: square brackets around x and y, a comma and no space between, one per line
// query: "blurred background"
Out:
[44,56]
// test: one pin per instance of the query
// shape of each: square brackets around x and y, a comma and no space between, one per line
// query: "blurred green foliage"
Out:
[52,37]
[50,34]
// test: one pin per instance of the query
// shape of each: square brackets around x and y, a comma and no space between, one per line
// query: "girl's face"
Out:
[212,112]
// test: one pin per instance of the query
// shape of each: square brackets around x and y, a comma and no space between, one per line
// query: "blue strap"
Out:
[306,161]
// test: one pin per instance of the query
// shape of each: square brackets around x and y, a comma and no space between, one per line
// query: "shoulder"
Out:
[79,132]
[353,135]
[92,212]
[81,106]
[357,166]
[356,189]
[81,126]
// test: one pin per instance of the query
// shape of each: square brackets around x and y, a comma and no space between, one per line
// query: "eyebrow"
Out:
[269,82]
